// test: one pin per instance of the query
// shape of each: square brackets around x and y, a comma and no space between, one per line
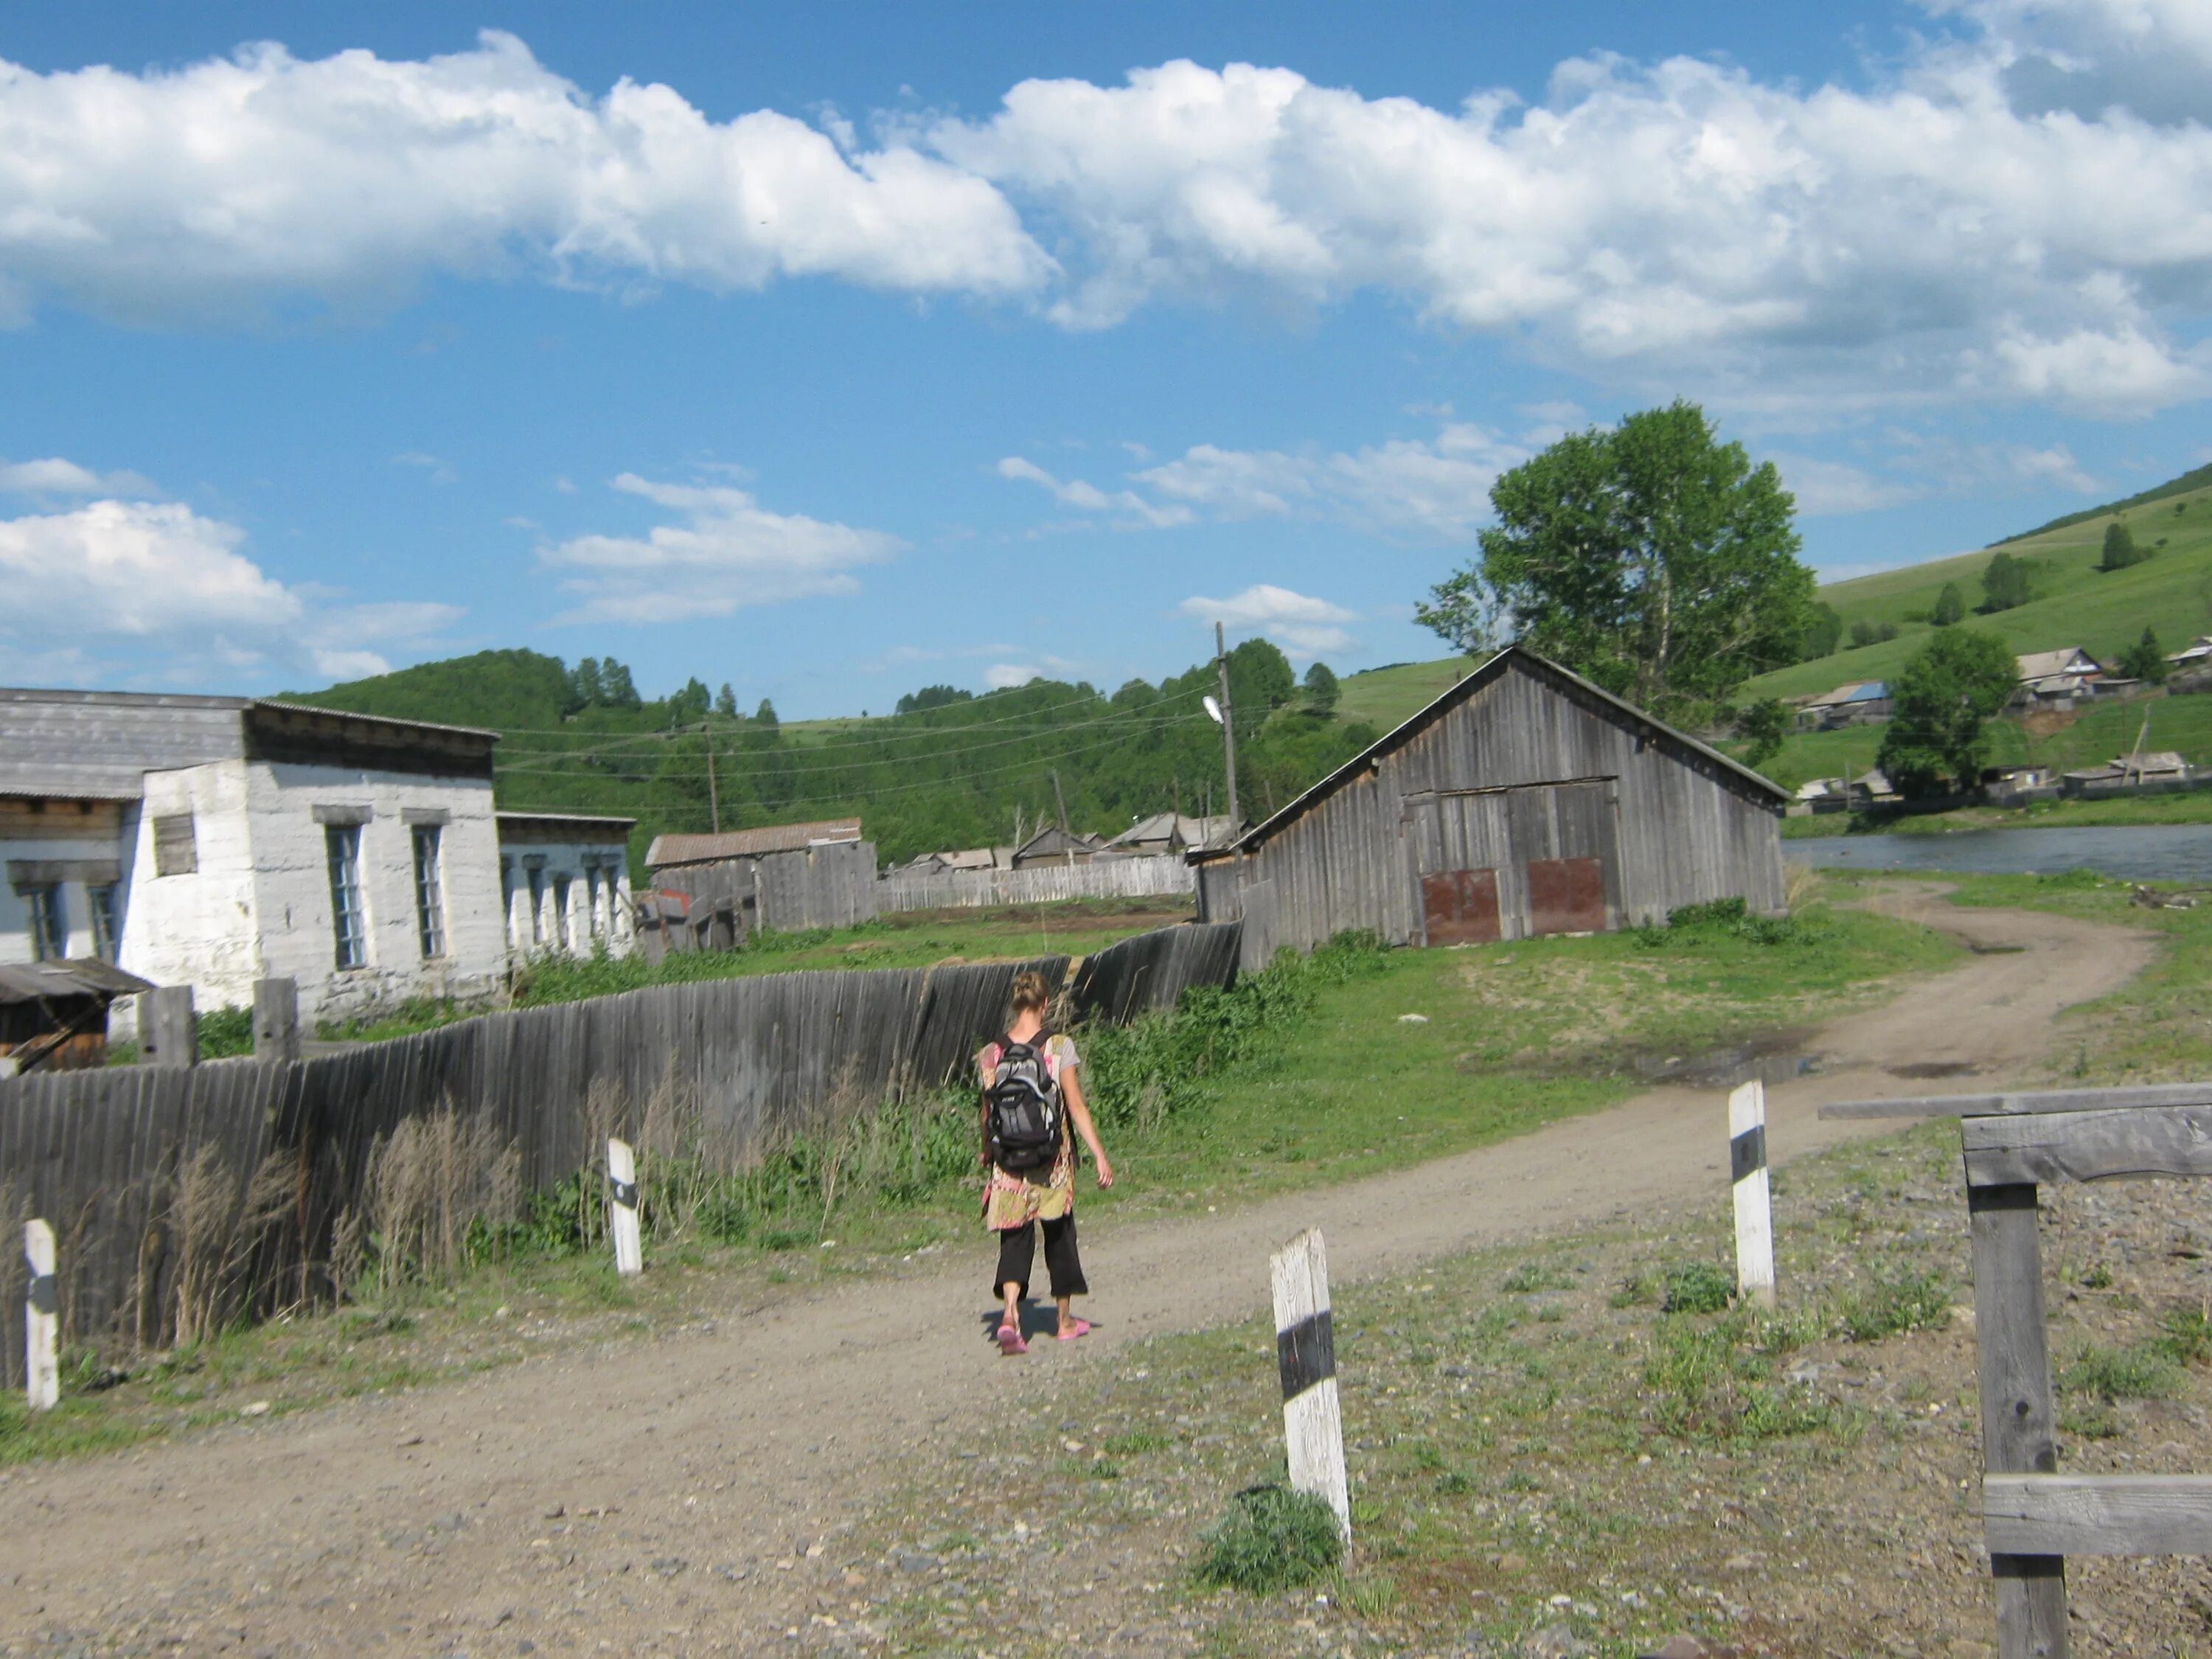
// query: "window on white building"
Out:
[591,899]
[536,906]
[101,899]
[49,923]
[562,884]
[429,890]
[342,843]
[176,850]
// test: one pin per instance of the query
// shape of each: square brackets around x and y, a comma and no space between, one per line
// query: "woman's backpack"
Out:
[1024,1106]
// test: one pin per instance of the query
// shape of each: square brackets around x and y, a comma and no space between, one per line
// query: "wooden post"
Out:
[41,1319]
[1305,1353]
[1228,729]
[1754,1208]
[622,1214]
[2016,1409]
[168,1030]
[277,1034]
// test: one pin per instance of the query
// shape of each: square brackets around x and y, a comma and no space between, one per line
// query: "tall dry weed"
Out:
[1802,886]
[429,1183]
[213,1223]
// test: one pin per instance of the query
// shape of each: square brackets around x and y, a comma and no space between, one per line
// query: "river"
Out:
[2163,852]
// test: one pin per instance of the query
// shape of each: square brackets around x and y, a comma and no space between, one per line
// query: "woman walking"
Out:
[1033,1109]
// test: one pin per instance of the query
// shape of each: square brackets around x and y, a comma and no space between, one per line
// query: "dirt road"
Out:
[424,1522]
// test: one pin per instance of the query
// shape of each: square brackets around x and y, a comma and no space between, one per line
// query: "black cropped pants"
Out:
[1017,1251]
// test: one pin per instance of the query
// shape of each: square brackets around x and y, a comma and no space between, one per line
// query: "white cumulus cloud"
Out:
[1307,625]
[215,189]
[726,552]
[1138,513]
[137,590]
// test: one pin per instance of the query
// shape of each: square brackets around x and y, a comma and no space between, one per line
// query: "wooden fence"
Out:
[1037,884]
[172,1190]
[2032,1517]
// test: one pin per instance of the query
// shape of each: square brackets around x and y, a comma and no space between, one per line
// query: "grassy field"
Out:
[1517,1036]
[2075,604]
[1386,697]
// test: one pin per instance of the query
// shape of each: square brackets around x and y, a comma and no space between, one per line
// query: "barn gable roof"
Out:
[1512,656]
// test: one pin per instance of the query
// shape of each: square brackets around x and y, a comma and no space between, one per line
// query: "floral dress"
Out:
[1016,1200]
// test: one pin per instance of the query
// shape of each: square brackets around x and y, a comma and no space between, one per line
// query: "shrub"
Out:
[1696,1287]
[225,1032]
[1272,1539]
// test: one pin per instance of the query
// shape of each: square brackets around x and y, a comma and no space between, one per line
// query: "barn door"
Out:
[1517,862]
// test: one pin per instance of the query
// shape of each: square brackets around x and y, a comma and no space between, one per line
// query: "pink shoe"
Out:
[1082,1328]
[1010,1342]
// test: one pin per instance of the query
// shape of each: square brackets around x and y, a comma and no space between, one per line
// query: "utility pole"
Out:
[1228,729]
[1066,834]
[714,795]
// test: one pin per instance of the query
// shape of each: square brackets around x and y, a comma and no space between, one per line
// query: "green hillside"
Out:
[1385,697]
[2074,603]
[2197,479]
[959,774]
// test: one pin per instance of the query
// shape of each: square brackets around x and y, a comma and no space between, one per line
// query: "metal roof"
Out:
[1544,668]
[504,817]
[79,976]
[671,850]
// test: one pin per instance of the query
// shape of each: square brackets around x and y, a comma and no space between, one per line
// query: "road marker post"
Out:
[622,1210]
[41,1320]
[1305,1353]
[1754,1204]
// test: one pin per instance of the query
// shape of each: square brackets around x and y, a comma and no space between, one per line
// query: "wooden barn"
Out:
[1523,801]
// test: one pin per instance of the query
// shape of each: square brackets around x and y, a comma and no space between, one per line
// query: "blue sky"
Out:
[835,354]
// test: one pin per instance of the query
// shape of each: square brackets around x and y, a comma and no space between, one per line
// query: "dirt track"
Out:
[723,1456]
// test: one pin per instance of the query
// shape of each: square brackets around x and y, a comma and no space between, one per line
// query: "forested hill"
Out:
[954,771]
[2200,478]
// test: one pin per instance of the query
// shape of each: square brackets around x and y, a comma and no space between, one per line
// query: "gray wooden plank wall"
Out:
[103,1155]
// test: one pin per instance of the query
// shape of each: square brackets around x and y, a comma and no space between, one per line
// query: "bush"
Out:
[1696,1287]
[225,1032]
[1272,1539]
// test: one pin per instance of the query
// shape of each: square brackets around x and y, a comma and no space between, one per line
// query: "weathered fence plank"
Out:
[2098,1514]
[2173,1140]
[1037,884]
[2043,1100]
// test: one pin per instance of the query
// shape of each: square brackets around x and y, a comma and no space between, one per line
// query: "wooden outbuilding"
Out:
[1523,801]
[710,892]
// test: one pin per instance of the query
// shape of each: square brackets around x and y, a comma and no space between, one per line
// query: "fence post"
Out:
[2015,1365]
[168,1030]
[1305,1353]
[41,1319]
[277,1033]
[622,1214]
[1754,1206]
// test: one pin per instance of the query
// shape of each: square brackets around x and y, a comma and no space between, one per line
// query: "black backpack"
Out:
[1024,1106]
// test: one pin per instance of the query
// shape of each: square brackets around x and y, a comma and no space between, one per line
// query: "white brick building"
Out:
[566,879]
[216,840]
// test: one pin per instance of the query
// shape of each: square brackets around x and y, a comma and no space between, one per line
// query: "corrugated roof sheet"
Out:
[79,976]
[670,850]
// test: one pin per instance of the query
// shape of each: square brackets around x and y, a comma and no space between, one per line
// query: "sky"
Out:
[832,352]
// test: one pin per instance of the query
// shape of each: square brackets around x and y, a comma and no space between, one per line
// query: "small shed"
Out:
[1057,846]
[53,1015]
[711,892]
[1523,801]
[1169,833]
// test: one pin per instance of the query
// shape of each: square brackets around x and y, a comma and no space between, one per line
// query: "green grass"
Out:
[2075,605]
[1385,697]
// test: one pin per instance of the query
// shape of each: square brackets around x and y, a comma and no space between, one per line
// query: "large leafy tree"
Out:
[1652,557]
[1940,704]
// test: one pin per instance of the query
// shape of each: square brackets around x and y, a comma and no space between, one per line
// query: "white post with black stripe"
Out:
[1754,1206]
[621,1208]
[41,1320]
[1305,1352]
